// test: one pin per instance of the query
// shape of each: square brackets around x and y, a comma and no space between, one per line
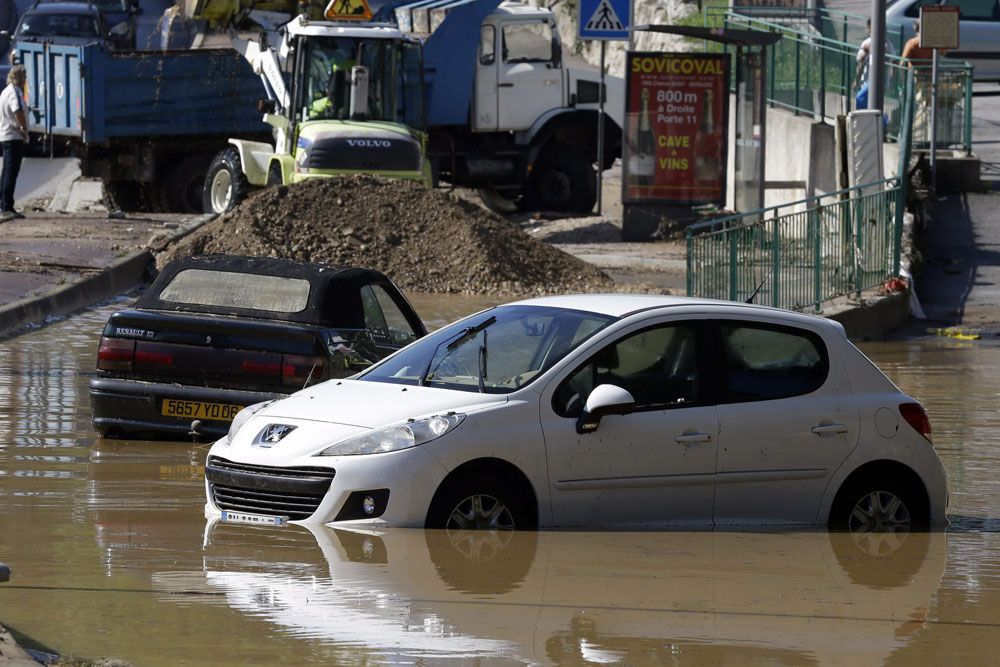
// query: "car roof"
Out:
[334,291]
[623,305]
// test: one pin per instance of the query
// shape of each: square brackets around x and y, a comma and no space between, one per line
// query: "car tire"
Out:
[480,502]
[873,503]
[561,180]
[225,184]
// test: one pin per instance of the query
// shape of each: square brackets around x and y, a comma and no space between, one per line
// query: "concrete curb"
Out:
[85,291]
[876,318]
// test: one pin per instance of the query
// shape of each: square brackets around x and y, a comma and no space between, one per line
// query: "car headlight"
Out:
[242,417]
[396,437]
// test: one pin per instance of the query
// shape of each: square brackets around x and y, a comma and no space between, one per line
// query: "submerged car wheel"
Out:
[478,502]
[873,505]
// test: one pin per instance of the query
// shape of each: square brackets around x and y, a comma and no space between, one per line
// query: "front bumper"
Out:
[133,407]
[325,489]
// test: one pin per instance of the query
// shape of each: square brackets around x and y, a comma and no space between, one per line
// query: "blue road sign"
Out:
[605,19]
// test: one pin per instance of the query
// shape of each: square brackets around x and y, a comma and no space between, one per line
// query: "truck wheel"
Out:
[130,196]
[562,180]
[184,185]
[225,184]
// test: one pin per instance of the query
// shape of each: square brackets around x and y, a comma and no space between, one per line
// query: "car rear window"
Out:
[768,362]
[229,289]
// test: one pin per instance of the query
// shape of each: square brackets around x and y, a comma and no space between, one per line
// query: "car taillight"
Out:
[915,416]
[296,369]
[261,367]
[115,354]
[153,358]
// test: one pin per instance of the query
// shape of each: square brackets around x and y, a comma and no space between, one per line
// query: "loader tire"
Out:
[225,184]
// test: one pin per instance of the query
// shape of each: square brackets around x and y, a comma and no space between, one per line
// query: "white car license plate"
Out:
[254,519]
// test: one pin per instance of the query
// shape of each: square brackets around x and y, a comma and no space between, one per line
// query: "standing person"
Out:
[13,134]
[916,56]
[864,59]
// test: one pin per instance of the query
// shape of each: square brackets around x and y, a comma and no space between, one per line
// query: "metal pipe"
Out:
[934,90]
[876,66]
[600,133]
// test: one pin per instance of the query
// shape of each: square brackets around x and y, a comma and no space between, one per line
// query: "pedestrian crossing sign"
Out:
[605,19]
[348,10]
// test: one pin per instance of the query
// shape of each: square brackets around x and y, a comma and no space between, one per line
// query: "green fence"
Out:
[799,255]
[811,72]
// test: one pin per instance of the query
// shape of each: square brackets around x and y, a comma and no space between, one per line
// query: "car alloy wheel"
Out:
[880,512]
[480,512]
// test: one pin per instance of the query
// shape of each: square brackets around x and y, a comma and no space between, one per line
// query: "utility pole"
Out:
[876,67]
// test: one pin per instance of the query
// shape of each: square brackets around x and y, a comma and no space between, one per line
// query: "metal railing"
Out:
[802,254]
[812,73]
[799,255]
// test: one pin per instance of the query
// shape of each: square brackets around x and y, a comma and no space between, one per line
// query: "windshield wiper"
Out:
[463,336]
[482,365]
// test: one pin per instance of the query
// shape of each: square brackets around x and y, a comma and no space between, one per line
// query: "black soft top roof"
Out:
[334,291]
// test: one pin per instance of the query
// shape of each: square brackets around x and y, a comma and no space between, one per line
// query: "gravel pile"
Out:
[425,240]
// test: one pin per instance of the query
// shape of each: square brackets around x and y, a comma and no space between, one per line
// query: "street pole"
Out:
[934,92]
[876,66]
[600,134]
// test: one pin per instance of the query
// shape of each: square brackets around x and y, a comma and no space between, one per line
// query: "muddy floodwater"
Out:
[112,556]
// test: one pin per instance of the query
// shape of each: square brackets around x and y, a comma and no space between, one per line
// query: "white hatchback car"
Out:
[599,411]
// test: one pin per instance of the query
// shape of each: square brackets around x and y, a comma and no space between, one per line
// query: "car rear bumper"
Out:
[135,407]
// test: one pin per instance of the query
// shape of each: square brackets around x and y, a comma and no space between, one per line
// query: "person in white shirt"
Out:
[864,59]
[13,134]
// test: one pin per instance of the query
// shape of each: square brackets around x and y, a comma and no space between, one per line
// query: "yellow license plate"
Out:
[199,410]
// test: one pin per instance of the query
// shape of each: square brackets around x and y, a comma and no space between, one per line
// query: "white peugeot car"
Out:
[599,411]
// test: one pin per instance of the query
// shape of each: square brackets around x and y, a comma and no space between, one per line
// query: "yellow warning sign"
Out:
[348,10]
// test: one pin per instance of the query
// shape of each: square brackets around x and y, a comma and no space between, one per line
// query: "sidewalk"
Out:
[56,263]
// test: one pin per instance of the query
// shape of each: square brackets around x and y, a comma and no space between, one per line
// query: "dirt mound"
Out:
[425,240]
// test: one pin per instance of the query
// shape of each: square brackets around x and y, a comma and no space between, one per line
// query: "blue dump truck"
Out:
[492,105]
[147,123]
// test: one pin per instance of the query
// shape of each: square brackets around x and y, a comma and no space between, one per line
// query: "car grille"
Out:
[243,487]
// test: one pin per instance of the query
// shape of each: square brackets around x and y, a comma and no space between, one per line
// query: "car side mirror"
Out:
[604,400]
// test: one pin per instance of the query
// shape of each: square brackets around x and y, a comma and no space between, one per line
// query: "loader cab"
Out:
[327,69]
[519,73]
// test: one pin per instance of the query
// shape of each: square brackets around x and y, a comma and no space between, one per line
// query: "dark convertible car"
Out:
[216,333]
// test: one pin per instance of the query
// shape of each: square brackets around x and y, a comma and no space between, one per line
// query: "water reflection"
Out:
[575,598]
[106,536]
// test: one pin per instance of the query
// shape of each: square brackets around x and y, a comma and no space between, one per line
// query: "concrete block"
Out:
[85,195]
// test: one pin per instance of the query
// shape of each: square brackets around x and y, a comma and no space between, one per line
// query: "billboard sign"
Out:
[676,128]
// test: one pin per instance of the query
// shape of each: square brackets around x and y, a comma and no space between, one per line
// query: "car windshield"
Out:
[59,25]
[497,351]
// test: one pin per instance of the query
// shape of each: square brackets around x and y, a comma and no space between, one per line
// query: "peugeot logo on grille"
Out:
[272,434]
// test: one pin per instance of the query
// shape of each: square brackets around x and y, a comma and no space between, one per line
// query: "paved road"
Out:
[960,281]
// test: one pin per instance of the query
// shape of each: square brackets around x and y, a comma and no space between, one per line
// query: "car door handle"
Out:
[823,429]
[505,85]
[693,437]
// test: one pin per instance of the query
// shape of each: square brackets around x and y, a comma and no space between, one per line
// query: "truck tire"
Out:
[130,196]
[225,184]
[183,188]
[562,180]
